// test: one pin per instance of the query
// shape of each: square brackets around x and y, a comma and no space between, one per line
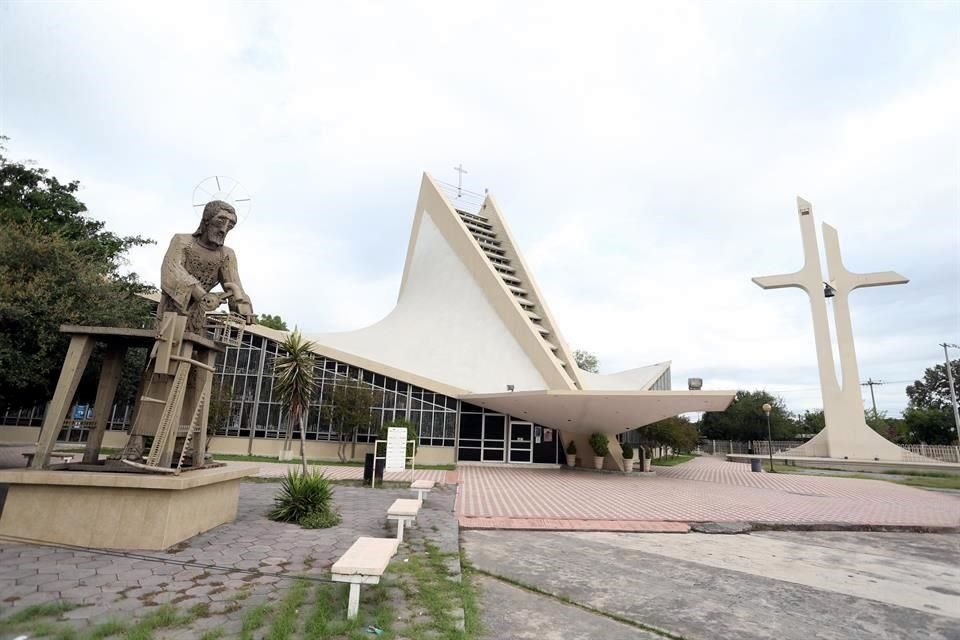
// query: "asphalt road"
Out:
[784,585]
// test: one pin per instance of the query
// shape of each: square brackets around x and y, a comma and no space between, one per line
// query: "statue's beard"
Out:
[216,238]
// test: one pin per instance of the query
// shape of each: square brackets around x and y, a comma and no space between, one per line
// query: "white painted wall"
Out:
[443,327]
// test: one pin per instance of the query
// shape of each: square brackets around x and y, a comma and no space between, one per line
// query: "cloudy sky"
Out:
[647,156]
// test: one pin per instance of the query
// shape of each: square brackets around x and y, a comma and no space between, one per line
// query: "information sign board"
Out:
[396,449]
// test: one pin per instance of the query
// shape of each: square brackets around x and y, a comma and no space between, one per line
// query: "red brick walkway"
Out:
[703,490]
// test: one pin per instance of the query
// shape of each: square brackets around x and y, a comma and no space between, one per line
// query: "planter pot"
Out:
[598,462]
[628,465]
[646,465]
[571,459]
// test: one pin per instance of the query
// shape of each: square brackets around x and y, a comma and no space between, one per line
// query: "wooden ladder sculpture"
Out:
[173,354]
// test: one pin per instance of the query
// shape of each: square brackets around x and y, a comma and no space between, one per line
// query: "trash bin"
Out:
[368,469]
[756,465]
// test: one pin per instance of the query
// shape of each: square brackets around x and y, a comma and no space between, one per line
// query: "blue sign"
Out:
[80,411]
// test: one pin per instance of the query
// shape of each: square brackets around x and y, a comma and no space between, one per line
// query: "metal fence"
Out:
[941,453]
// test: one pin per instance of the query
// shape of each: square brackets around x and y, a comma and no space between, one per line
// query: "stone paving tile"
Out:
[566,524]
[702,490]
[115,586]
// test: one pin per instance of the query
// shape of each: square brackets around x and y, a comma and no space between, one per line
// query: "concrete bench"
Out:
[421,487]
[403,511]
[64,457]
[363,563]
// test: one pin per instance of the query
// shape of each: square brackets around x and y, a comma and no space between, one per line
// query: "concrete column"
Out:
[103,405]
[78,354]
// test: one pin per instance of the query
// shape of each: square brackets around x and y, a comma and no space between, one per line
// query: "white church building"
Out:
[471,354]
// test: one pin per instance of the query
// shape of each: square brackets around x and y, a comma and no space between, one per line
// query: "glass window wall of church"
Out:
[435,416]
[239,370]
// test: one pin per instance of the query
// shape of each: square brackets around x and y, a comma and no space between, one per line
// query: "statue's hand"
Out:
[235,291]
[246,310]
[197,293]
[210,301]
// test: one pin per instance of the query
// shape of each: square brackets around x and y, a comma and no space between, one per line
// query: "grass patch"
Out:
[321,617]
[285,620]
[328,619]
[922,479]
[47,629]
[161,618]
[922,474]
[950,482]
[432,591]
[213,634]
[253,620]
[38,611]
[671,461]
[471,603]
[107,629]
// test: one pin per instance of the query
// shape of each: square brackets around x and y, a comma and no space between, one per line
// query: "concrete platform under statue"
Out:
[119,510]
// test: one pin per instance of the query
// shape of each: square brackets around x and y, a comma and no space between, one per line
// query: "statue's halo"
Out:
[222,188]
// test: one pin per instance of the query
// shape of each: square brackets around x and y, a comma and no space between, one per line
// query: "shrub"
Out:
[627,451]
[320,520]
[302,495]
[572,448]
[599,444]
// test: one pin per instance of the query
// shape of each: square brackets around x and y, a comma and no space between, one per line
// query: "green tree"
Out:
[219,409]
[810,422]
[295,386]
[57,266]
[929,425]
[348,409]
[272,322]
[745,420]
[933,391]
[586,361]
[893,429]
[676,432]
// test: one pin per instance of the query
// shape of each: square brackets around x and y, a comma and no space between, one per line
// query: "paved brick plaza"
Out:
[241,564]
[705,489]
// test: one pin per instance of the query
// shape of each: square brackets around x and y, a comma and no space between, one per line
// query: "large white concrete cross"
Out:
[846,434]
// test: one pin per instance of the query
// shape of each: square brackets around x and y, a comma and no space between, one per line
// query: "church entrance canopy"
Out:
[609,412]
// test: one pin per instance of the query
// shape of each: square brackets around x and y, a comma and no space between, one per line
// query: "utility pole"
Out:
[953,393]
[871,383]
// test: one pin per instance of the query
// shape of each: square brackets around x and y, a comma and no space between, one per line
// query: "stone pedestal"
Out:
[119,510]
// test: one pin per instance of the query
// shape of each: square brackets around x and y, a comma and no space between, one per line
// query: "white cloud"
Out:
[647,156]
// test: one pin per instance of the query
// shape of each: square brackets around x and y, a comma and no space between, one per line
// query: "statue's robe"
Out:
[186,264]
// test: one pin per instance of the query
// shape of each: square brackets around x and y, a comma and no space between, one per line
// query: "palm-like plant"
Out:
[295,383]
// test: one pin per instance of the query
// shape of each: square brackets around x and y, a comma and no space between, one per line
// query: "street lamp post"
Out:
[767,409]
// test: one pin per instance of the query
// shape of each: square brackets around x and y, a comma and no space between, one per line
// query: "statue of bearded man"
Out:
[195,263]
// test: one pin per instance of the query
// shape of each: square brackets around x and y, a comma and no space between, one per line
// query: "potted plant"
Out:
[572,454]
[598,442]
[627,457]
[646,460]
